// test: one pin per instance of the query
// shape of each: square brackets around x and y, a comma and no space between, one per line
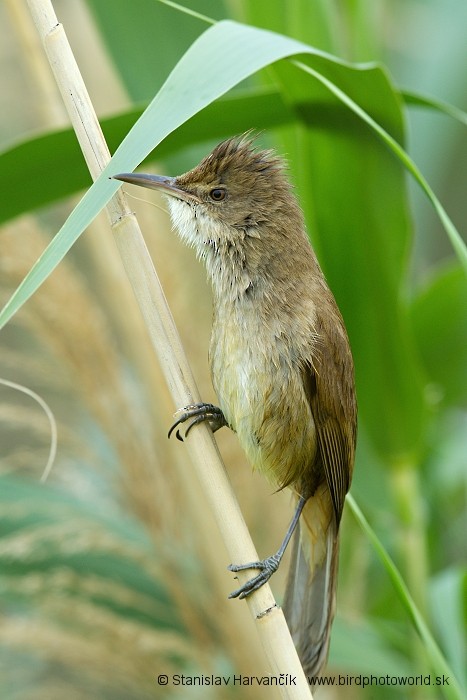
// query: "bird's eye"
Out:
[217,194]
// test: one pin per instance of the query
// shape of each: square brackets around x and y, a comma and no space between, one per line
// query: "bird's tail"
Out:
[309,602]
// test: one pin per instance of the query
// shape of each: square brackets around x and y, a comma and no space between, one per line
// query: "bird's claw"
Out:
[267,567]
[198,412]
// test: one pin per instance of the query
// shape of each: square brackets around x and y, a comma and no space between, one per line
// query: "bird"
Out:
[280,361]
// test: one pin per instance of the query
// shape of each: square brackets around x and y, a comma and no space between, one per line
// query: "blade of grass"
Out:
[437,660]
[188,11]
[417,100]
[50,417]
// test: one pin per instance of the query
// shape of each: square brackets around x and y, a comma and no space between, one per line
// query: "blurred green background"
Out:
[112,572]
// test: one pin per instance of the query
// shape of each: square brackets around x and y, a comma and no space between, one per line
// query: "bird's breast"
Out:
[259,386]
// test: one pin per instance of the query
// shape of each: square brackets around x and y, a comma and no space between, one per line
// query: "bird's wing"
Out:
[328,382]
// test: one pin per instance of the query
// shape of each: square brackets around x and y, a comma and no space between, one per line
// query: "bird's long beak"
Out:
[163,184]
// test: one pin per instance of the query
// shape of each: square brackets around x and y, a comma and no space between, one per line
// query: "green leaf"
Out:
[417,100]
[237,51]
[58,152]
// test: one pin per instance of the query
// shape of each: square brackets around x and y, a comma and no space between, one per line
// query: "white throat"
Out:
[223,254]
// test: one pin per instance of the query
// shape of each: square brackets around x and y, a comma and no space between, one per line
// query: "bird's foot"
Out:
[267,567]
[198,413]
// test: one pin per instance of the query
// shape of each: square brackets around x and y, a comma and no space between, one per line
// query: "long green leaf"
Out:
[417,100]
[237,51]
[59,154]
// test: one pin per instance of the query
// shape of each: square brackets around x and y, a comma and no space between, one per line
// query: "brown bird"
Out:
[280,361]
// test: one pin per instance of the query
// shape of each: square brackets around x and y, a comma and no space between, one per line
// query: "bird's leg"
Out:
[198,413]
[269,565]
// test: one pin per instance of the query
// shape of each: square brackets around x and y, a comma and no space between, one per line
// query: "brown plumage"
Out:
[280,360]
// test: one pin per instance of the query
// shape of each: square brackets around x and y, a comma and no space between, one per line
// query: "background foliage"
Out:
[110,572]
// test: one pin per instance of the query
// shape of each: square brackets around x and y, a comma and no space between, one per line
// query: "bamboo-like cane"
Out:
[280,651]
